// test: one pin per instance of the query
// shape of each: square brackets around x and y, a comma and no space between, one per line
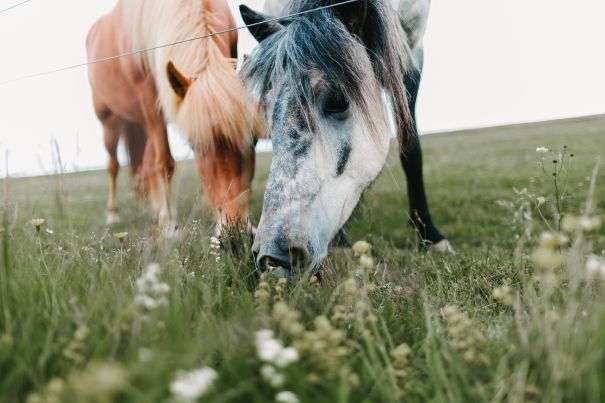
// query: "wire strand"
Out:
[14,6]
[197,38]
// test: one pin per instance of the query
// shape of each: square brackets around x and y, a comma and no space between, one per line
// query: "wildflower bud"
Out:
[34,398]
[367,262]
[503,295]
[350,288]
[371,288]
[353,380]
[570,223]
[550,240]
[362,247]
[313,379]
[547,259]
[6,340]
[81,333]
[55,386]
[322,323]
[590,223]
[401,353]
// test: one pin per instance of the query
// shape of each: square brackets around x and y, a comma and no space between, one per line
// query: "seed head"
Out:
[37,223]
[120,236]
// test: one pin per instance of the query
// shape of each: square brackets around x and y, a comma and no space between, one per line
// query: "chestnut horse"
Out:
[135,97]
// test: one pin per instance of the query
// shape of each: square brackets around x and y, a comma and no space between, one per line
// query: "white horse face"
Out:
[319,170]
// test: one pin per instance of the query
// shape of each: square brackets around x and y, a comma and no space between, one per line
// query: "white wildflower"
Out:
[160,288]
[286,397]
[215,243]
[542,150]
[590,223]
[190,386]
[595,268]
[146,302]
[269,350]
[286,357]
[572,223]
[263,335]
[272,376]
[505,203]
[215,246]
[151,291]
[272,351]
[541,200]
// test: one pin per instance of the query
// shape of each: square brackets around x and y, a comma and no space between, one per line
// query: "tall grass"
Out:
[517,314]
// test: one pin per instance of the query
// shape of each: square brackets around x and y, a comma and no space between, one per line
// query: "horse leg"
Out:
[411,159]
[149,175]
[163,165]
[112,127]
[136,141]
[163,170]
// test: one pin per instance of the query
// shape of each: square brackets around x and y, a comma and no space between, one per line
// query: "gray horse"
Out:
[321,77]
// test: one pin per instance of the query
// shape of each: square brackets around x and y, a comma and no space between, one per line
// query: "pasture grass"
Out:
[489,323]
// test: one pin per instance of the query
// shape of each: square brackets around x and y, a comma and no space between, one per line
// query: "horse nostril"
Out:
[294,259]
[268,263]
[298,257]
[270,266]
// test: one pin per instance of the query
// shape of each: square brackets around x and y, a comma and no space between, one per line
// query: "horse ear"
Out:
[258,23]
[179,82]
[354,16]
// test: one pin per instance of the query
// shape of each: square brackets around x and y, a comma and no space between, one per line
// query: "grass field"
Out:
[512,317]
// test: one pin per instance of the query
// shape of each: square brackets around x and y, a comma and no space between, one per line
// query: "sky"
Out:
[488,62]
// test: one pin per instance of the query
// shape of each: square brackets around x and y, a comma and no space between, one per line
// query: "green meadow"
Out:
[96,314]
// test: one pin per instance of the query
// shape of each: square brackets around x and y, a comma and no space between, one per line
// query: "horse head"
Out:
[320,77]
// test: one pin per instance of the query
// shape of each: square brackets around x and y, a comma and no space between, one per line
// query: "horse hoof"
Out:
[443,246]
[112,218]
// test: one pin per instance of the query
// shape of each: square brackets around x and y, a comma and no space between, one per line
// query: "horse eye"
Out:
[336,103]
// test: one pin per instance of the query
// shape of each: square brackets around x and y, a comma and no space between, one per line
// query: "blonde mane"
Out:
[216,104]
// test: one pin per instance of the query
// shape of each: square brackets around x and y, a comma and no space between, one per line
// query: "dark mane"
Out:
[320,41]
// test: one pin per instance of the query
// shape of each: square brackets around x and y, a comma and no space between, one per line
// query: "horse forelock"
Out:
[216,104]
[320,42]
